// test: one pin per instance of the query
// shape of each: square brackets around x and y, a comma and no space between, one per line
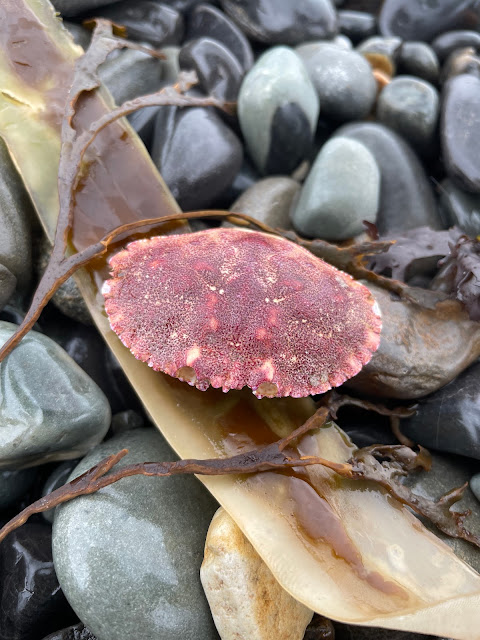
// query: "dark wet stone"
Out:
[80,35]
[418,59]
[67,298]
[278,111]
[269,200]
[343,80]
[245,178]
[460,131]
[69,8]
[449,420]
[126,421]
[196,175]
[55,480]
[207,21]
[406,195]
[283,21]
[448,42]
[141,545]
[414,20]
[13,485]
[357,25]
[461,61]
[423,347]
[76,632]
[147,20]
[449,472]
[410,107]
[15,215]
[218,70]
[320,628]
[341,190]
[130,74]
[8,283]
[460,208]
[143,121]
[51,409]
[31,601]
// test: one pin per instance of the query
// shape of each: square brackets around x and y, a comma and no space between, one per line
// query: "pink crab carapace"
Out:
[232,308]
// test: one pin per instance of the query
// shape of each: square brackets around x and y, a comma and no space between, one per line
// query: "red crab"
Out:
[232,308]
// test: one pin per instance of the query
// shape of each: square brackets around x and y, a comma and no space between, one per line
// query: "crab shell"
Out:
[232,308]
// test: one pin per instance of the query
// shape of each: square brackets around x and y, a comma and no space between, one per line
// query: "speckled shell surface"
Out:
[232,308]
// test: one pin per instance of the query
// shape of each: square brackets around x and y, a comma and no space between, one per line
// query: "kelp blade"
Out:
[346,550]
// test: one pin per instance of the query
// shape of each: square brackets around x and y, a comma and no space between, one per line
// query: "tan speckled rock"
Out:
[246,601]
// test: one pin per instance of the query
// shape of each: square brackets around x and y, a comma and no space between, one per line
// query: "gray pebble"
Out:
[419,59]
[341,190]
[343,80]
[50,409]
[269,201]
[128,557]
[475,485]
[460,208]
[130,74]
[56,479]
[410,107]
[7,285]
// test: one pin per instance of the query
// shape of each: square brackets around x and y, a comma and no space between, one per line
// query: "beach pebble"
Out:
[278,109]
[460,208]
[341,190]
[419,59]
[128,557]
[269,201]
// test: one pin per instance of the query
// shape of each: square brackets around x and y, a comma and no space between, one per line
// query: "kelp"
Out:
[341,546]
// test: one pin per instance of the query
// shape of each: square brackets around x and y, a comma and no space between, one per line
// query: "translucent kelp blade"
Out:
[346,550]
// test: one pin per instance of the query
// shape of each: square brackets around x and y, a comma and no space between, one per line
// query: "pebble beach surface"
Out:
[349,114]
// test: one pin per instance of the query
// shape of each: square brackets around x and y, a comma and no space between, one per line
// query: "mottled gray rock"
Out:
[460,208]
[130,74]
[278,110]
[475,485]
[15,215]
[128,558]
[449,420]
[13,484]
[460,130]
[67,298]
[49,408]
[343,80]
[269,200]
[422,348]
[419,59]
[283,21]
[7,285]
[406,195]
[410,107]
[341,190]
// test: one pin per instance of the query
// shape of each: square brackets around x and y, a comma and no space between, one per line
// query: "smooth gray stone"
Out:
[283,21]
[13,484]
[446,43]
[460,61]
[449,420]
[460,130]
[269,201]
[170,64]
[126,421]
[128,557]
[56,479]
[343,80]
[460,208]
[15,215]
[390,47]
[410,107]
[419,59]
[278,110]
[75,7]
[80,35]
[147,20]
[406,195]
[195,174]
[450,472]
[475,485]
[49,408]
[8,283]
[357,25]
[130,74]
[341,190]
[418,20]
[206,21]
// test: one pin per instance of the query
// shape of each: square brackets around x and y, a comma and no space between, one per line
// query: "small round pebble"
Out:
[269,201]
[410,107]
[419,59]
[341,190]
[450,41]
[343,79]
